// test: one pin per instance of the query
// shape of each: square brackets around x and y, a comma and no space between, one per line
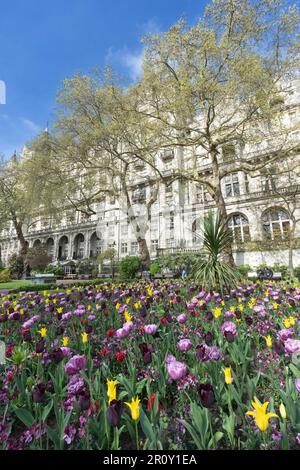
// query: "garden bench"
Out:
[253,275]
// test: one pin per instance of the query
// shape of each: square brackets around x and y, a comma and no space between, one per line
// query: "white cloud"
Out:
[30,125]
[132,60]
[150,27]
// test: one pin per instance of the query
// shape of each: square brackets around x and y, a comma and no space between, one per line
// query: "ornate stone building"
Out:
[258,206]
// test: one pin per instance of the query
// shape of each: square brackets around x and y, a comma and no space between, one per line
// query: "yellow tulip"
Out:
[217,312]
[260,414]
[134,408]
[84,337]
[43,332]
[111,390]
[65,341]
[268,340]
[228,375]
[282,411]
[127,316]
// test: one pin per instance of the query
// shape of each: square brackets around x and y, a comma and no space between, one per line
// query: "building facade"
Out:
[258,206]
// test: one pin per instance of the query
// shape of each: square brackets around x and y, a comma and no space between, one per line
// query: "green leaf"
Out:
[147,426]
[47,410]
[25,416]
[295,371]
[53,435]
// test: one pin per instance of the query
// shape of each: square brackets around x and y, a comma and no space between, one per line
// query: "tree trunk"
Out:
[21,238]
[217,196]
[23,243]
[144,252]
[291,248]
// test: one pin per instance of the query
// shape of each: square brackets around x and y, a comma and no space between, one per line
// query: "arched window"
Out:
[275,224]
[239,226]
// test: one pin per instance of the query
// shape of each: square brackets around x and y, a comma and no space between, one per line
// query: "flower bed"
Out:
[160,365]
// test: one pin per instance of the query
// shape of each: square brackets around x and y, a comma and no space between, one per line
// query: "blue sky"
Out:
[42,42]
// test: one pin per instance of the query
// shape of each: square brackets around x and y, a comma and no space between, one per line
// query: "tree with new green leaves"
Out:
[15,200]
[96,150]
[215,90]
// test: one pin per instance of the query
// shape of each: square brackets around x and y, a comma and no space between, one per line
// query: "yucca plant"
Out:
[214,272]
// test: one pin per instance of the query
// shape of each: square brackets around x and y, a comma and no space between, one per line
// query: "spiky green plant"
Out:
[214,272]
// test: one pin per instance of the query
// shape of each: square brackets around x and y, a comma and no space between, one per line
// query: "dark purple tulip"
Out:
[146,351]
[208,337]
[88,329]
[38,393]
[248,320]
[114,413]
[3,318]
[209,316]
[60,330]
[40,346]
[201,352]
[229,336]
[57,355]
[84,401]
[26,335]
[278,347]
[207,396]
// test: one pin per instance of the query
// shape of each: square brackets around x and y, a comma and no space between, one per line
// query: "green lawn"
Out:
[15,284]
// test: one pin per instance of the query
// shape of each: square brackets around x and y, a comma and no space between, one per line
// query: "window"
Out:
[167,154]
[228,152]
[134,248]
[124,248]
[201,194]
[154,225]
[170,242]
[239,226]
[276,224]
[171,221]
[154,245]
[169,193]
[232,186]
[124,229]
[269,183]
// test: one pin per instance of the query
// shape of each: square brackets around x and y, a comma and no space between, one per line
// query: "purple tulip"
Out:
[297,385]
[176,370]
[181,318]
[285,334]
[122,333]
[150,329]
[229,331]
[75,364]
[292,346]
[184,345]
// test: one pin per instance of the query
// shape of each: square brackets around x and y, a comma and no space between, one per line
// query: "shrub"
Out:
[129,266]
[154,268]
[57,270]
[280,268]
[244,269]
[16,265]
[37,258]
[297,272]
[5,275]
[85,266]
